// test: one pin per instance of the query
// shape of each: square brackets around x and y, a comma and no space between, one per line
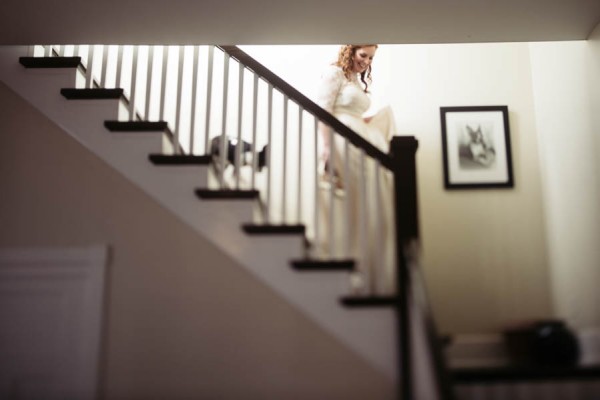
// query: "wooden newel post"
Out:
[403,151]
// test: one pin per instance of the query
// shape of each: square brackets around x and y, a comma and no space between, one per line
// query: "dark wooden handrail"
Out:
[307,104]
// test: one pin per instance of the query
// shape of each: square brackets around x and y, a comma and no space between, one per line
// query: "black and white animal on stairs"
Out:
[246,154]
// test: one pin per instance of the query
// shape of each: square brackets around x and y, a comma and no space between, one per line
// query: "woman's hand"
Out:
[325,152]
[324,146]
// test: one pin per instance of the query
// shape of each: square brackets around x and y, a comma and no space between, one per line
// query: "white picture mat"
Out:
[492,121]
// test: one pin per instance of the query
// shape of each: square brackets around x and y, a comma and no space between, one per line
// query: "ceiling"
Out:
[294,21]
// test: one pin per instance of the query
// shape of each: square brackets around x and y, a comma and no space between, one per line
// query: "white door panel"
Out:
[50,322]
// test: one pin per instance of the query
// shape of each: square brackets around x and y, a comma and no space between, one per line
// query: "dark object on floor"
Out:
[543,343]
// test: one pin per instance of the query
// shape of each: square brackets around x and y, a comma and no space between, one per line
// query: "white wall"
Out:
[566,77]
[484,253]
[484,250]
[302,66]
[183,320]
[593,70]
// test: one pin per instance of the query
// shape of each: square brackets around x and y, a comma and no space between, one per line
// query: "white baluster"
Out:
[254,122]
[209,78]
[269,151]
[378,267]
[90,63]
[119,66]
[364,220]
[178,105]
[194,94]
[104,63]
[284,199]
[224,147]
[133,84]
[163,82]
[347,205]
[332,187]
[299,213]
[149,71]
[238,152]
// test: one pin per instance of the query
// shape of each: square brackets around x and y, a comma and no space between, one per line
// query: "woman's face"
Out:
[363,57]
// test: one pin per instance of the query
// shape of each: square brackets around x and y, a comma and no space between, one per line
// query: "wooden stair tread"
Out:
[50,62]
[179,159]
[268,229]
[135,126]
[91,94]
[370,301]
[323,265]
[228,194]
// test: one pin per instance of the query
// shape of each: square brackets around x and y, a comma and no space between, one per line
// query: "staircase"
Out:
[151,155]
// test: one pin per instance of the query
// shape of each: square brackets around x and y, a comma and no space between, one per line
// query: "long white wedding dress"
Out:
[363,217]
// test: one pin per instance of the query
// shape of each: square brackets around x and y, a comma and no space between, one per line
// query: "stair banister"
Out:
[402,163]
[309,105]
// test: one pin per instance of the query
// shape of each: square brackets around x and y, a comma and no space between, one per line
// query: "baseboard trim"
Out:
[489,350]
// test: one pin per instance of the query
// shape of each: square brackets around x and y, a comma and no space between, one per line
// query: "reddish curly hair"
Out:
[345,61]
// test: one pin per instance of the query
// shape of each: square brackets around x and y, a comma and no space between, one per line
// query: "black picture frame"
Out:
[476,147]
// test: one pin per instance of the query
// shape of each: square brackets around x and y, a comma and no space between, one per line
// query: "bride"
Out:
[363,217]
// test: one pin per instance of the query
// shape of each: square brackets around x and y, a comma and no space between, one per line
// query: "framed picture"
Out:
[476,147]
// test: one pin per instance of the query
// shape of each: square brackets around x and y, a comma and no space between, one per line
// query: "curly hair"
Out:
[345,61]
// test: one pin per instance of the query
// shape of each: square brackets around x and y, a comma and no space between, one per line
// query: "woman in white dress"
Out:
[363,215]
